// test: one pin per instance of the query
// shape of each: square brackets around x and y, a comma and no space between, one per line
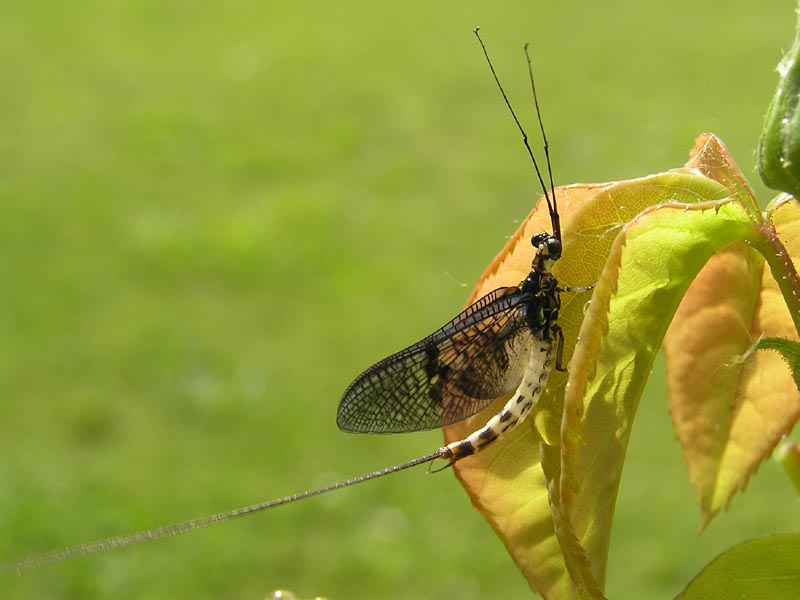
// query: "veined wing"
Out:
[450,375]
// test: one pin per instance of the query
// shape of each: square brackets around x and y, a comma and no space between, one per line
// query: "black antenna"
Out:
[554,209]
[551,196]
[39,560]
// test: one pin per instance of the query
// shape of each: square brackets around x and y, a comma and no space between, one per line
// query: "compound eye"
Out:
[538,239]
[554,248]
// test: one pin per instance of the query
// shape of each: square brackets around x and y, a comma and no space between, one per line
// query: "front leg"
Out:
[559,340]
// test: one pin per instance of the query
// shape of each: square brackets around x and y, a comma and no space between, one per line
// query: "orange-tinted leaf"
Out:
[783,235]
[730,405]
[711,158]
[705,347]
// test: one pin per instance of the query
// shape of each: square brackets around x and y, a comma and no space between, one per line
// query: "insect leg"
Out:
[579,288]
[559,335]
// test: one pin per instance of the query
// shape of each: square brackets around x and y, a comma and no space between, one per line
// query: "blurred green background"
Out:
[213,216]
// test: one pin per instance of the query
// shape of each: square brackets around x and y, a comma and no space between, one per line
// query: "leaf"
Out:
[649,268]
[730,405]
[789,350]
[514,483]
[711,158]
[549,488]
[767,568]
[782,237]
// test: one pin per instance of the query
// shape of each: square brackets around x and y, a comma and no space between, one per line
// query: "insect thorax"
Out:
[541,301]
[540,292]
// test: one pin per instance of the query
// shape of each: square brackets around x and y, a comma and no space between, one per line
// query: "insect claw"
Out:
[444,453]
[578,288]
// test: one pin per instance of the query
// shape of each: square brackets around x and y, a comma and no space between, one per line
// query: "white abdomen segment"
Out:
[516,409]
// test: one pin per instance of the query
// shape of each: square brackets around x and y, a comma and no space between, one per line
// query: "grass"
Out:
[215,216]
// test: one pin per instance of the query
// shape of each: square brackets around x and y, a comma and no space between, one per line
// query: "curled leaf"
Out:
[566,461]
[649,268]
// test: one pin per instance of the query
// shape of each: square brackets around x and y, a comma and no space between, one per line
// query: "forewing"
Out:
[446,377]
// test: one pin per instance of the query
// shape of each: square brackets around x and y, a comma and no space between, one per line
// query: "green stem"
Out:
[782,268]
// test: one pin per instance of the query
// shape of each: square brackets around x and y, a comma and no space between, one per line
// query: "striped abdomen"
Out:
[516,409]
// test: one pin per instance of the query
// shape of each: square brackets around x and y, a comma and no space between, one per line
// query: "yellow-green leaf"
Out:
[650,265]
[765,568]
[789,351]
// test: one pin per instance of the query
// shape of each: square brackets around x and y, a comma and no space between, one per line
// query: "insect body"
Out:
[502,342]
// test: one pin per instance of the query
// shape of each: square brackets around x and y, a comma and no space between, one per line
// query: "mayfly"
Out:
[509,340]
